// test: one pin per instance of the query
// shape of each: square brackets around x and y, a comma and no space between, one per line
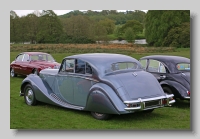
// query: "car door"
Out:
[26,67]
[18,64]
[82,82]
[64,88]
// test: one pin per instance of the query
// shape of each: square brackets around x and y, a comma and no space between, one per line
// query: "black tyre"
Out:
[167,90]
[29,95]
[12,73]
[100,116]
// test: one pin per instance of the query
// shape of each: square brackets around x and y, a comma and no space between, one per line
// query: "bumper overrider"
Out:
[149,103]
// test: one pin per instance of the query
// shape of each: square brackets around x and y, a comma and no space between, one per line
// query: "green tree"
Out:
[14,30]
[178,36]
[129,34]
[50,28]
[79,28]
[32,21]
[158,23]
[134,24]
[108,24]
[100,32]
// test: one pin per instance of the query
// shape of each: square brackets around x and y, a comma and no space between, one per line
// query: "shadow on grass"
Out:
[181,104]
[123,117]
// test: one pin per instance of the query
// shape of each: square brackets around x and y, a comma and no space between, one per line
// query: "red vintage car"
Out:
[32,62]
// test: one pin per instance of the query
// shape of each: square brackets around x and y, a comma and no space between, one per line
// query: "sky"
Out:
[58,12]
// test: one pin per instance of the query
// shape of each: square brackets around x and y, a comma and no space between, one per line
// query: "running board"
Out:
[59,101]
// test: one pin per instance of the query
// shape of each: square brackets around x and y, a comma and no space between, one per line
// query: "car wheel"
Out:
[167,90]
[100,116]
[35,71]
[12,73]
[29,95]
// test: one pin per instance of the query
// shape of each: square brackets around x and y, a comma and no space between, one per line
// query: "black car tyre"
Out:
[35,71]
[100,116]
[29,95]
[167,90]
[12,73]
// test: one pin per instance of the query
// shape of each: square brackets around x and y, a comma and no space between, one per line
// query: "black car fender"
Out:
[99,100]
[178,89]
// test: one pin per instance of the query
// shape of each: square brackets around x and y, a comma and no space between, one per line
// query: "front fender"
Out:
[103,99]
[178,89]
[41,88]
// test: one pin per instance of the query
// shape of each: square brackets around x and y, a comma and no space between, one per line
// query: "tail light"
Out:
[163,101]
[188,93]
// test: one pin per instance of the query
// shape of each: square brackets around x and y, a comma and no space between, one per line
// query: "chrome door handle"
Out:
[162,76]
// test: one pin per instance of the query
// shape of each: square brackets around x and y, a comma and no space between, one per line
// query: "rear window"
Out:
[183,66]
[124,66]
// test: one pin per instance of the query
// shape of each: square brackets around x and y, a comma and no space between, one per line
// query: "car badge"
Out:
[135,74]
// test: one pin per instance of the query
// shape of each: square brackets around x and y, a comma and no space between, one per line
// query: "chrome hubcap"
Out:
[29,96]
[98,114]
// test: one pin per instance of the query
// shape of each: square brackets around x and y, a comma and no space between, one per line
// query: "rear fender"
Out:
[178,90]
[99,100]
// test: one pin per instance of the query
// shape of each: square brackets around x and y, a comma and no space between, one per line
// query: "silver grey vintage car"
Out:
[103,84]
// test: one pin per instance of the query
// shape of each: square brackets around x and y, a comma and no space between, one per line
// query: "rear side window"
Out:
[79,66]
[156,66]
[183,66]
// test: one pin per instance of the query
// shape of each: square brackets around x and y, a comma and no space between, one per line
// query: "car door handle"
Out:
[162,76]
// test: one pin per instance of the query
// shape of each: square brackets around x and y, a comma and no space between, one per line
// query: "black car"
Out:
[172,72]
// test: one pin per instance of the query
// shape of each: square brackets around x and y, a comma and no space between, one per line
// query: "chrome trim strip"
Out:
[186,97]
[142,100]
[87,78]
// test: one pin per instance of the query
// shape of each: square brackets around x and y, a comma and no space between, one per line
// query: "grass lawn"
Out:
[45,116]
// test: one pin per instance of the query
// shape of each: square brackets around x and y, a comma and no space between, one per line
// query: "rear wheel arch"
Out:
[99,104]
[171,90]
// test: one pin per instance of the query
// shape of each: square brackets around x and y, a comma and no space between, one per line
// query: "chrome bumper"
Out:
[141,104]
[187,98]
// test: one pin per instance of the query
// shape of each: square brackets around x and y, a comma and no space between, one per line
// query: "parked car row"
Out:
[103,84]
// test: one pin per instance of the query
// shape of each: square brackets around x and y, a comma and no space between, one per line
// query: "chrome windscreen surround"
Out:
[150,103]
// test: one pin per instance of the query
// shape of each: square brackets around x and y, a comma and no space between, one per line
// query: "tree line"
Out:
[91,26]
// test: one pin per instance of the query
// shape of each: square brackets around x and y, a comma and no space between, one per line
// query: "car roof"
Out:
[163,58]
[101,61]
[103,58]
[33,53]
[169,61]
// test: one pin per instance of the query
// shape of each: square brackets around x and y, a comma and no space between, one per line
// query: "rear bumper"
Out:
[187,98]
[150,103]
